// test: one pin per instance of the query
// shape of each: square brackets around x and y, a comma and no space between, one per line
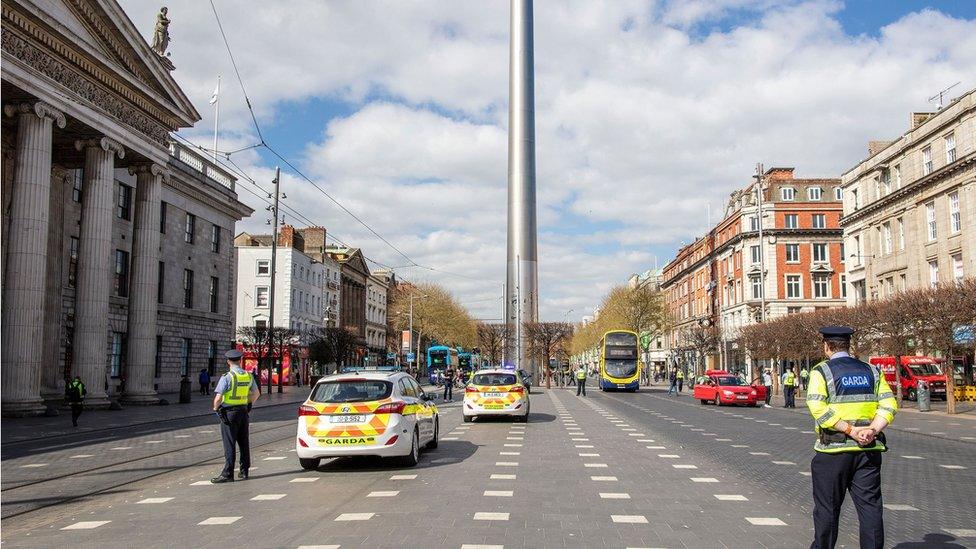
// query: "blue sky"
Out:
[648,114]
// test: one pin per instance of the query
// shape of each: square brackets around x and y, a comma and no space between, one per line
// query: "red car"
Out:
[721,387]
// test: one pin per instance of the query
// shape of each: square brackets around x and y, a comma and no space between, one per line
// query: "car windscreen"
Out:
[620,368]
[729,381]
[494,379]
[352,390]
[925,369]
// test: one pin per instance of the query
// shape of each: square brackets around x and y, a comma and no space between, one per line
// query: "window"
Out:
[186,347]
[886,238]
[118,354]
[814,193]
[261,296]
[121,278]
[957,271]
[820,252]
[901,233]
[933,273]
[757,290]
[819,221]
[792,253]
[793,290]
[188,288]
[955,219]
[843,286]
[77,179]
[214,290]
[72,260]
[933,231]
[215,239]
[189,228]
[264,267]
[885,182]
[754,223]
[123,208]
[842,247]
[787,193]
[838,193]
[903,282]
[855,199]
[879,249]
[794,310]
[897,176]
[927,161]
[212,357]
[158,364]
[754,254]
[162,217]
[791,221]
[161,283]
[950,148]
[889,286]
[857,250]
[821,286]
[261,324]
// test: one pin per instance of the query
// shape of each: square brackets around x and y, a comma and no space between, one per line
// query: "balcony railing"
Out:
[202,164]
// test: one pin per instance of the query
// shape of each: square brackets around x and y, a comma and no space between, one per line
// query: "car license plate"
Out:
[348,419]
[741,397]
[493,395]
[493,406]
[621,386]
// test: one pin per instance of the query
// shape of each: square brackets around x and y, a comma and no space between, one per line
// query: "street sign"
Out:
[411,357]
[390,356]
[964,334]
[405,340]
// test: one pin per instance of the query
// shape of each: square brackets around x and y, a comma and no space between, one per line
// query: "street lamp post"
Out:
[416,356]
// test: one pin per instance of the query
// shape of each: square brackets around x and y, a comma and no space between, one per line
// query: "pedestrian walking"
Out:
[767,378]
[851,404]
[804,379]
[204,380]
[74,395]
[673,382]
[233,397]
[449,384]
[789,389]
[581,381]
[681,379]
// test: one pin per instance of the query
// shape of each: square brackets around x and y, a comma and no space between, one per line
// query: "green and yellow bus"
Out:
[619,361]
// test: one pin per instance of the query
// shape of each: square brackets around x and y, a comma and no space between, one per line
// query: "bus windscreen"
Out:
[621,338]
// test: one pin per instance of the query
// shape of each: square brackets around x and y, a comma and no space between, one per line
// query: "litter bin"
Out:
[924,397]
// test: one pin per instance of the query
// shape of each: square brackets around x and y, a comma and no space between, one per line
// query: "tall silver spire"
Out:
[522,288]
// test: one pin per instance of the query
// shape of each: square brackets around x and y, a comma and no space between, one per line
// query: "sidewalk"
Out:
[18,429]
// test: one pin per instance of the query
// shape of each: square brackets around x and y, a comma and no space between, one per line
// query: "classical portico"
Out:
[87,105]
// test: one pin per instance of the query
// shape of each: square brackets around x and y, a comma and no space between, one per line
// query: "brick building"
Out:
[724,278]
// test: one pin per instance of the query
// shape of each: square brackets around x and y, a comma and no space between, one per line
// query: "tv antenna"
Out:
[939,97]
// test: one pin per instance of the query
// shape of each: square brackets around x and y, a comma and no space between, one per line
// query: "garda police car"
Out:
[496,393]
[384,414]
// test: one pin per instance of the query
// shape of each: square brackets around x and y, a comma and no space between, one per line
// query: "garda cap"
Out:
[837,332]
[234,355]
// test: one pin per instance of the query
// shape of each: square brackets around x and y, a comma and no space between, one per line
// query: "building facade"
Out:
[731,277]
[657,351]
[353,274]
[910,207]
[376,324]
[116,267]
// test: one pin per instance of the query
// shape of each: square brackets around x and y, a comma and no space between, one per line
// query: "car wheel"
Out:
[433,443]
[718,401]
[467,419]
[912,395]
[704,402]
[413,457]
[309,464]
[523,419]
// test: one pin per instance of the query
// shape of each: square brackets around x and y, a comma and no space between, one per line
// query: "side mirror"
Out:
[425,397]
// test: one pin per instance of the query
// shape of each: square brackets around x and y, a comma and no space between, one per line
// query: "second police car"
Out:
[496,392]
[721,387]
[385,414]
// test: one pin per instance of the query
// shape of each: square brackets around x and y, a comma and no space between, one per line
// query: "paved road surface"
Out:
[612,470]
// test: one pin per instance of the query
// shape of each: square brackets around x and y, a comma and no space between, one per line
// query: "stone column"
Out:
[141,361]
[26,258]
[95,262]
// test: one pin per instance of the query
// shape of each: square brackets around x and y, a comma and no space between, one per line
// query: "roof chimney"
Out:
[919,118]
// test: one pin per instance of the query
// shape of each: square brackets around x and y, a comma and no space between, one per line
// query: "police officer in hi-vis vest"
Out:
[235,393]
[851,403]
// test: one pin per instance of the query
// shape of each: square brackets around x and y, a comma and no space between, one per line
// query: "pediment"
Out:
[96,40]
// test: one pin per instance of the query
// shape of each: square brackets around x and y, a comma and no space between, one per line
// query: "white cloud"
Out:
[642,120]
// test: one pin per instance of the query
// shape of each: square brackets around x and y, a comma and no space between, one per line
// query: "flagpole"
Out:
[216,118]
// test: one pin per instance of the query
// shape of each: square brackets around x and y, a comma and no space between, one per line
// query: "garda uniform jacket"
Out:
[846,388]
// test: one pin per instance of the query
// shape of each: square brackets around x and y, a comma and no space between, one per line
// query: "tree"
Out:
[332,346]
[491,339]
[642,310]
[548,340]
[264,344]
[437,315]
[704,340]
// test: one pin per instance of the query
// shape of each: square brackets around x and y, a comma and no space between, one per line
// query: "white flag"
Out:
[216,93]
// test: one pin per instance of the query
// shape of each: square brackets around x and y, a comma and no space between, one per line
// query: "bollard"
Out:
[924,397]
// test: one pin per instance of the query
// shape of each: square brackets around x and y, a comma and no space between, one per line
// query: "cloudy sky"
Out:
[647,115]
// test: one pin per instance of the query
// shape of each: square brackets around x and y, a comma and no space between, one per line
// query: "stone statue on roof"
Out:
[161,33]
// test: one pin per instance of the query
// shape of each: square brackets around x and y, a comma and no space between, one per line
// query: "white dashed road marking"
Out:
[952,466]
[491,516]
[403,477]
[154,500]
[276,458]
[268,497]
[383,494]
[304,479]
[899,507]
[629,519]
[765,521]
[614,495]
[731,497]
[81,456]
[86,525]
[218,521]
[497,476]
[33,465]
[345,517]
[499,493]
[684,466]
[704,479]
[604,479]
[595,465]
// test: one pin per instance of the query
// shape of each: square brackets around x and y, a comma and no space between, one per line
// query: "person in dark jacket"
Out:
[204,382]
[74,394]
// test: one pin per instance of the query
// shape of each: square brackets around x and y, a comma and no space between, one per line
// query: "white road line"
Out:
[383,494]
[268,497]
[590,455]
[122,448]
[279,458]
[913,457]
[514,438]
[154,442]
[581,440]
[731,497]
[656,448]
[490,516]
[629,519]
[509,453]
[595,465]
[582,445]
[304,479]
[899,507]
[344,517]
[669,456]
[496,476]
[645,440]
[86,525]
[82,456]
[499,493]
[614,495]
[806,473]
[636,435]
[218,521]
[321,546]
[961,532]
[684,466]
[952,466]
[740,445]
[704,479]
[759,453]
[765,521]
[153,500]
[449,438]
[33,465]
[506,464]
[513,445]
[181,436]
[604,479]
[403,477]
[723,440]
[201,483]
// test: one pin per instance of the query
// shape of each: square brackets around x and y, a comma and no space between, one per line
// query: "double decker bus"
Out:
[619,361]
[466,362]
[441,357]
